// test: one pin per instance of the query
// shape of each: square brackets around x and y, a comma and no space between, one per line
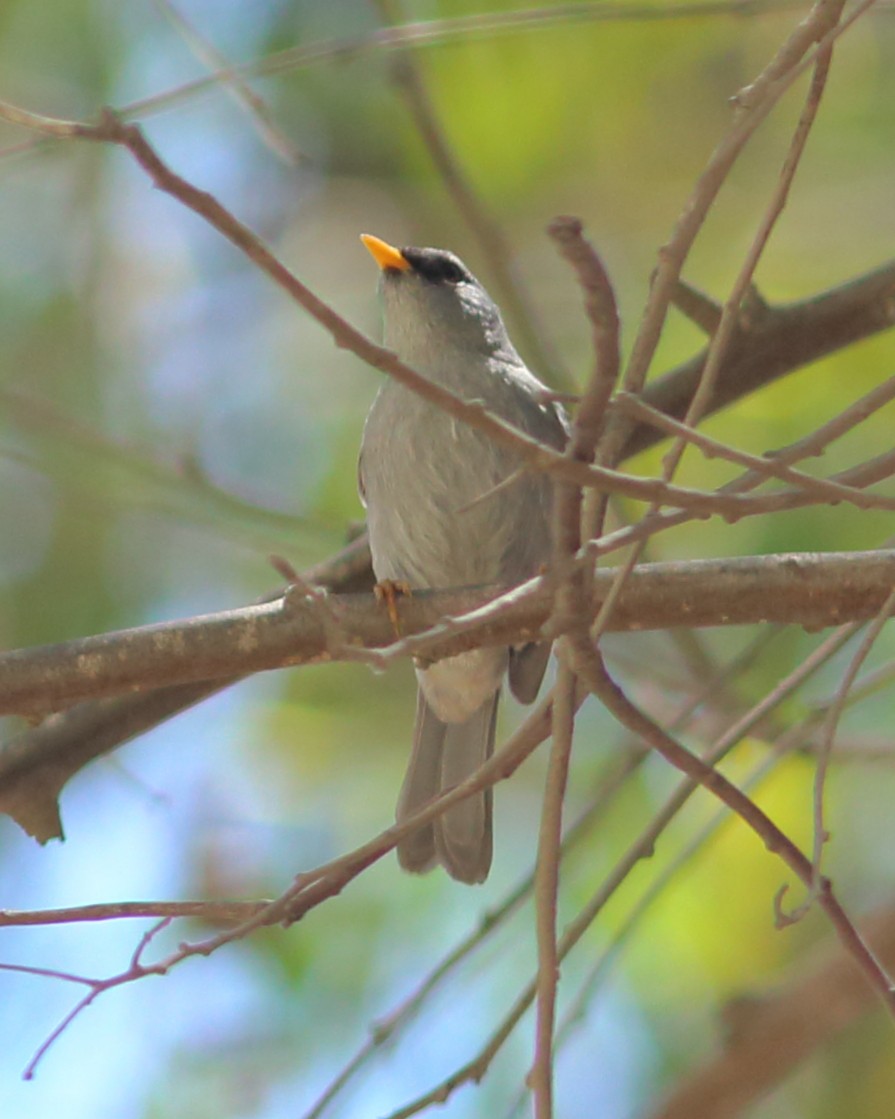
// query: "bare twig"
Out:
[424,33]
[521,311]
[824,753]
[773,838]
[136,970]
[763,94]
[236,85]
[820,24]
[570,612]
[540,1078]
[211,912]
[642,848]
[824,489]
[590,416]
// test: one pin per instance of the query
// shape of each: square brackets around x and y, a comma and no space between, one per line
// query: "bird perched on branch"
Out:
[448,507]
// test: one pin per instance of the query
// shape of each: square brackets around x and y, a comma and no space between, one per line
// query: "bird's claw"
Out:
[388,591]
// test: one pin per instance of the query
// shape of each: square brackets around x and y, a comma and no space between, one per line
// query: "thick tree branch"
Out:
[752,105]
[770,342]
[196,656]
[809,589]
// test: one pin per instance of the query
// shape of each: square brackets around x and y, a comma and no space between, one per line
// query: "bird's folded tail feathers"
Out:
[444,754]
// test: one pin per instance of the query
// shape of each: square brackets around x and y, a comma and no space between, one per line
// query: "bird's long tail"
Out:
[444,754]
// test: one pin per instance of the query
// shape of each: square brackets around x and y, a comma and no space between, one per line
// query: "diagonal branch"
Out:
[595,676]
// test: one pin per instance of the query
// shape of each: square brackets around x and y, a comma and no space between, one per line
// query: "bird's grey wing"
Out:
[535,412]
[528,663]
[444,754]
[527,666]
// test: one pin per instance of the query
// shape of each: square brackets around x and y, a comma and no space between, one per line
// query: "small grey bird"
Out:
[446,507]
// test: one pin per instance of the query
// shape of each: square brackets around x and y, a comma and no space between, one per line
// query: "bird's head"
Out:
[432,303]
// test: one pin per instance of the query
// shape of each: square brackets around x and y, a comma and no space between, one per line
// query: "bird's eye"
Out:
[452,272]
[435,265]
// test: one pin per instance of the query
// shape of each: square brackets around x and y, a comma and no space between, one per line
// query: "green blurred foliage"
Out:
[168,419]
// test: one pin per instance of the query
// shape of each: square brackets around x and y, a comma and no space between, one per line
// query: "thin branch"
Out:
[425,33]
[136,970]
[236,85]
[546,886]
[699,308]
[763,94]
[572,592]
[825,750]
[210,912]
[773,838]
[820,24]
[823,489]
[520,310]
[573,523]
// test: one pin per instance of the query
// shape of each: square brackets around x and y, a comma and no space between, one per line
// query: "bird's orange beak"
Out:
[385,255]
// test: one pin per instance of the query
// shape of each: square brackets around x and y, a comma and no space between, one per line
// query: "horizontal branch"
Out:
[811,589]
[211,912]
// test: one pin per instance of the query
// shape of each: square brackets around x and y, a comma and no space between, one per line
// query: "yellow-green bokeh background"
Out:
[168,419]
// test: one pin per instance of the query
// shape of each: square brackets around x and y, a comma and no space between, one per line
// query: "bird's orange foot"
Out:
[389,591]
